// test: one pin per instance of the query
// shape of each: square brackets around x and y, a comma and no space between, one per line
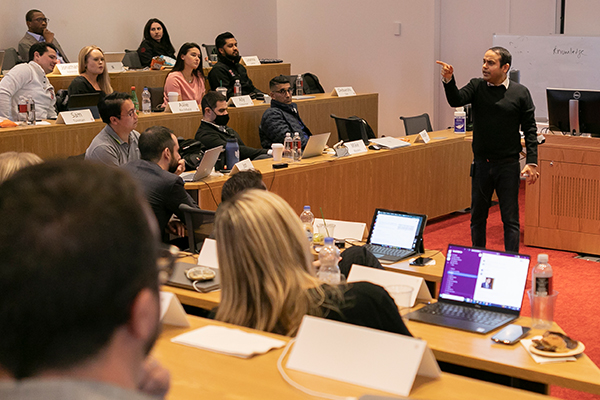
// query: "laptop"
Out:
[113,56]
[205,167]
[83,101]
[395,235]
[481,290]
[180,280]
[315,145]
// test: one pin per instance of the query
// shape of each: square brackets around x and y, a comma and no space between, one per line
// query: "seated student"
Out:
[79,286]
[157,172]
[213,130]
[11,162]
[228,69]
[93,74]
[29,80]
[38,32]
[156,42]
[268,281]
[186,77]
[282,116]
[117,143]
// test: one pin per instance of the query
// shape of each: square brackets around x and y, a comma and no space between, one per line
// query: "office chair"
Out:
[157,96]
[132,59]
[11,58]
[351,129]
[416,124]
[210,49]
[196,218]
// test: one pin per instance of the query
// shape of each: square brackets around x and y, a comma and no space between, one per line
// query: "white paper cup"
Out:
[267,99]
[277,151]
[173,96]
[401,294]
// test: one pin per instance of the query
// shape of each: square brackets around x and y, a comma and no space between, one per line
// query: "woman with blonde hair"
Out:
[93,74]
[268,280]
[11,162]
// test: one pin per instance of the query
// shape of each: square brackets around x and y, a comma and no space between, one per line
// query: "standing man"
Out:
[29,80]
[37,31]
[79,286]
[500,109]
[157,172]
[228,68]
[282,116]
[117,143]
[213,130]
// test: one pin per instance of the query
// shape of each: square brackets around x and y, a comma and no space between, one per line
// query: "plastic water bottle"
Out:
[237,88]
[232,153]
[329,272]
[460,120]
[307,218]
[22,108]
[134,98]
[541,277]
[297,147]
[288,152]
[299,85]
[30,111]
[146,101]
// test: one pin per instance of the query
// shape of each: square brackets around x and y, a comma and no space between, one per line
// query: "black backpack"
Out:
[311,83]
[191,151]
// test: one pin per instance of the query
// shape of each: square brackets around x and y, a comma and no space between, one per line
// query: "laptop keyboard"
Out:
[389,251]
[465,313]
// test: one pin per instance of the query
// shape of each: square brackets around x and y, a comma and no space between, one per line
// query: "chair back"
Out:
[156,96]
[416,124]
[132,59]
[194,219]
[11,58]
[351,129]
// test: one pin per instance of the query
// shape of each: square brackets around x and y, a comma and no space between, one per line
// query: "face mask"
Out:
[221,120]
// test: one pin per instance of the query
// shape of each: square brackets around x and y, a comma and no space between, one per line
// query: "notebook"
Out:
[315,145]
[205,167]
[178,279]
[481,290]
[395,235]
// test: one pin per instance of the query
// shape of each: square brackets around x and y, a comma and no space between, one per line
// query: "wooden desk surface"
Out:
[200,374]
[478,351]
[431,273]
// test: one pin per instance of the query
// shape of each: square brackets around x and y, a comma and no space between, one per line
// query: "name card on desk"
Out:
[66,69]
[208,254]
[240,101]
[82,116]
[367,357]
[250,60]
[244,165]
[343,91]
[180,107]
[171,311]
[356,147]
[423,137]
[115,66]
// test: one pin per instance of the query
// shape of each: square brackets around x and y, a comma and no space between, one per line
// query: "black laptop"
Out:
[83,101]
[180,280]
[481,290]
[395,235]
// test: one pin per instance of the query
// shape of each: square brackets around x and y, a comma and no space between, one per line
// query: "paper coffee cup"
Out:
[277,151]
[173,96]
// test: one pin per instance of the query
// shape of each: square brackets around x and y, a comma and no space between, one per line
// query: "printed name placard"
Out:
[75,117]
[244,165]
[115,66]
[343,91]
[67,69]
[180,107]
[251,60]
[171,311]
[356,147]
[240,101]
[423,137]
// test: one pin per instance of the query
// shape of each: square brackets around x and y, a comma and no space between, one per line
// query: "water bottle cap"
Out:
[460,109]
[328,241]
[306,208]
[288,134]
[543,258]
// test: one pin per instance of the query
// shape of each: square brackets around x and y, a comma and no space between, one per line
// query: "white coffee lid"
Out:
[543,258]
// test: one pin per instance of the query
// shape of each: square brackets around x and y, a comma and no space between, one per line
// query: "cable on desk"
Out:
[211,192]
[289,380]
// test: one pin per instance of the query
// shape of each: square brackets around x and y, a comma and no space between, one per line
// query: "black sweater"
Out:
[497,115]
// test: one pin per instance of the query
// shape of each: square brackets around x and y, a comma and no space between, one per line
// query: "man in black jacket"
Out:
[213,130]
[228,69]
[500,108]
[282,117]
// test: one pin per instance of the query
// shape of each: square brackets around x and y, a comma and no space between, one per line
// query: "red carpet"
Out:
[575,280]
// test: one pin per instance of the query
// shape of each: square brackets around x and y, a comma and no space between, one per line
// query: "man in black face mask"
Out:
[214,132]
[228,69]
[158,174]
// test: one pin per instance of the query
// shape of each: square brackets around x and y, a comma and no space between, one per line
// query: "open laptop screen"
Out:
[396,229]
[484,277]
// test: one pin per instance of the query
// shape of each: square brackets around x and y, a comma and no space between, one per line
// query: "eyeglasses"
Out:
[46,20]
[284,91]
[130,114]
[167,255]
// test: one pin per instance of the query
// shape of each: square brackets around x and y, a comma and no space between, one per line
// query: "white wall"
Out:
[116,25]
[582,17]
[352,43]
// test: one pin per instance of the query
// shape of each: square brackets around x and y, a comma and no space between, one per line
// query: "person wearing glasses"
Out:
[117,143]
[282,117]
[37,31]
[80,269]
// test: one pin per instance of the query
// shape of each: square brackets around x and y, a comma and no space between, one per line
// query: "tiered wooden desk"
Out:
[200,374]
[59,141]
[562,209]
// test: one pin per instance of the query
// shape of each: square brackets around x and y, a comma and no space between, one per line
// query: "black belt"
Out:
[497,160]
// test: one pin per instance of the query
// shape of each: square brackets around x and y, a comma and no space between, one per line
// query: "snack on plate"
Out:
[555,342]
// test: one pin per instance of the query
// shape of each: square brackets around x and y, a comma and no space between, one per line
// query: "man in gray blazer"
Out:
[37,31]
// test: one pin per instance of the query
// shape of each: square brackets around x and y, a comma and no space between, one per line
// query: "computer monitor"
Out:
[574,111]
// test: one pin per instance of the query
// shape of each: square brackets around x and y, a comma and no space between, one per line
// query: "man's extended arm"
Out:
[9,85]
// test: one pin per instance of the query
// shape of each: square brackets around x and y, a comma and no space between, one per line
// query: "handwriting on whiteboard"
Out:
[567,52]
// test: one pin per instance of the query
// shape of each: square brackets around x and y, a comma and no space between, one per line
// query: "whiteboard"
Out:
[571,62]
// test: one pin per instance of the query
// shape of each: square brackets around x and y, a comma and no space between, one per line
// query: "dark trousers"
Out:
[504,177]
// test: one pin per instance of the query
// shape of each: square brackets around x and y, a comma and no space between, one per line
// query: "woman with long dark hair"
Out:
[186,77]
[156,42]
